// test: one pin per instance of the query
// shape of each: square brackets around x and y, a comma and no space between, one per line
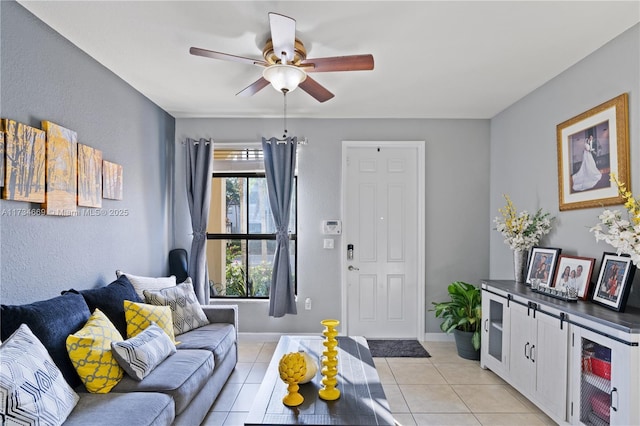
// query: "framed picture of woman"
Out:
[592,146]
[574,271]
[543,264]
[614,281]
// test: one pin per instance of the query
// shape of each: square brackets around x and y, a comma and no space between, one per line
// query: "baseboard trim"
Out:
[438,337]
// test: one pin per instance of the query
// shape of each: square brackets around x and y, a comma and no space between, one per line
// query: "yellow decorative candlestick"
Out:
[292,368]
[330,361]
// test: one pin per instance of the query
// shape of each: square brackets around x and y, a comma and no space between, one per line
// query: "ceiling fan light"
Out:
[284,77]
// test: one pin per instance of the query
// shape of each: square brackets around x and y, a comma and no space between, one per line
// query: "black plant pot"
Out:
[464,345]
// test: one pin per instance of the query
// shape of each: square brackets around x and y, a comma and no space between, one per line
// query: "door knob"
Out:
[353,268]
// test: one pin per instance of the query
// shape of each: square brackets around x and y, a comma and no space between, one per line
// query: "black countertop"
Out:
[627,321]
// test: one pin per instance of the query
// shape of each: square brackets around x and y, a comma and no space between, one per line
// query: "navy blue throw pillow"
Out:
[51,321]
[110,300]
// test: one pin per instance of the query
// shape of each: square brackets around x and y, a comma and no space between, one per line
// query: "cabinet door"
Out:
[522,365]
[604,380]
[495,334]
[550,356]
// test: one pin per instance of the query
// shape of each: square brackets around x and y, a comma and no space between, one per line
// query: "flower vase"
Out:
[329,392]
[520,265]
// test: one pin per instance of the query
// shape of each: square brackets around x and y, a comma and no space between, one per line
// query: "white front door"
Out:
[383,202]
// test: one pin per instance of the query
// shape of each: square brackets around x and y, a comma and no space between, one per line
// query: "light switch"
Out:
[328,243]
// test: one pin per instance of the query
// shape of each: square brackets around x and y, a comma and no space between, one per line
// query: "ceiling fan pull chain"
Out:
[285,114]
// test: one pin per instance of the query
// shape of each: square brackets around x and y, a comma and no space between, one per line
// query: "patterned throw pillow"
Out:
[91,355]
[185,309]
[140,316]
[32,388]
[141,283]
[139,355]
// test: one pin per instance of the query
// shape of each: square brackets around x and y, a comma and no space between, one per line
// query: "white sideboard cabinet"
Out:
[578,362]
[495,333]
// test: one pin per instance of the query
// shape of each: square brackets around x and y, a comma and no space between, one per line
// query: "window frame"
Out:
[255,237]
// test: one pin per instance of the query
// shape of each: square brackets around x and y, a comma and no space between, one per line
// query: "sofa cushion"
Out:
[139,355]
[109,299]
[218,338]
[32,388]
[141,283]
[140,316]
[186,312]
[51,321]
[134,408]
[90,352]
[181,376]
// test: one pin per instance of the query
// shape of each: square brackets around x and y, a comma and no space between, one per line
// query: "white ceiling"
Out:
[446,59]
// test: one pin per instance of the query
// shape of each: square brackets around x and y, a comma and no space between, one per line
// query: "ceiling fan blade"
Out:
[226,57]
[283,36]
[316,90]
[254,88]
[339,63]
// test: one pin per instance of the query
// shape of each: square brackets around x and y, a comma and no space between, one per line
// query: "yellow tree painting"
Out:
[111,180]
[62,170]
[24,167]
[1,158]
[89,176]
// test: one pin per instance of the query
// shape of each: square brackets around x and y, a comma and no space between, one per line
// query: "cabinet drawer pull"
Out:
[526,355]
[614,407]
[486,323]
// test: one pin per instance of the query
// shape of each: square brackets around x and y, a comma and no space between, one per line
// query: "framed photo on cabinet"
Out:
[543,264]
[576,272]
[614,281]
[592,146]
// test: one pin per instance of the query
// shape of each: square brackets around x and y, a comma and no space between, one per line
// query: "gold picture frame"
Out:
[89,176]
[25,162]
[61,170]
[111,180]
[592,146]
[1,157]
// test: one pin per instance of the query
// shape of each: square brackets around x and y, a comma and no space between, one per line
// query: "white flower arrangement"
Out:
[622,234]
[522,231]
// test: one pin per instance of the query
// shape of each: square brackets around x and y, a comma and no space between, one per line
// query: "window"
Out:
[241,236]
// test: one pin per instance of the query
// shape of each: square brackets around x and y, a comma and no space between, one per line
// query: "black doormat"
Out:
[397,349]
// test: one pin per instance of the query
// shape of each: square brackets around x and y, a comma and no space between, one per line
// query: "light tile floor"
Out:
[442,390]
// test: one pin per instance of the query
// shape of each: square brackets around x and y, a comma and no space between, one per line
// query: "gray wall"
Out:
[457,194]
[45,77]
[523,148]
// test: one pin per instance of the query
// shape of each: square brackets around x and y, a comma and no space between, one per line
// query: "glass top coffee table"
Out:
[362,400]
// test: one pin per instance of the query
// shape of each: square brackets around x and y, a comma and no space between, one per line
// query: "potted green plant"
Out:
[462,316]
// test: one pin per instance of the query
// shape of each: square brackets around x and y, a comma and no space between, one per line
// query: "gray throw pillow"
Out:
[186,312]
[139,355]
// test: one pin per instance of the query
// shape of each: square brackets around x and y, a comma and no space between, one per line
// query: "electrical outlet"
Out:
[307,303]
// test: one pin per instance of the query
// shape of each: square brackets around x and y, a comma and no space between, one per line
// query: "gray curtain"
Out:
[280,166]
[199,175]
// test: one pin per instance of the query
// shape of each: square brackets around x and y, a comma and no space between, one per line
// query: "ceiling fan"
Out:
[285,62]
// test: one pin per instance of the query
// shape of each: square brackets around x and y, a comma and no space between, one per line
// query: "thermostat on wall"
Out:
[331,227]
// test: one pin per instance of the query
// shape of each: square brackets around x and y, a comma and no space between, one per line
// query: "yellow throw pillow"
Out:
[139,316]
[90,352]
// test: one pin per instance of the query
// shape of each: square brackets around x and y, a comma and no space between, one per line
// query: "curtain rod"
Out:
[301,141]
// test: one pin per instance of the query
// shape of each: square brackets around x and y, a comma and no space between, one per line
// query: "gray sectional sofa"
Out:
[179,391]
